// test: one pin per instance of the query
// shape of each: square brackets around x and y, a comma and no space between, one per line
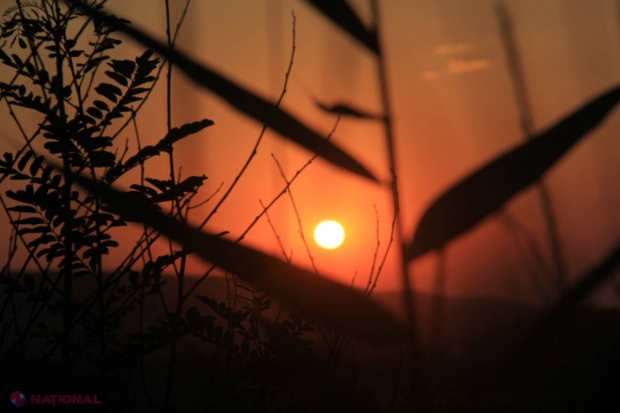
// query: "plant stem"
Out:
[417,384]
[391,148]
[527,125]
[67,187]
[438,307]
[173,343]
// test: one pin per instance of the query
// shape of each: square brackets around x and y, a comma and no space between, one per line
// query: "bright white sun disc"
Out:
[329,234]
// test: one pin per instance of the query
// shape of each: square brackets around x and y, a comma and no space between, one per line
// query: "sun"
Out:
[329,234]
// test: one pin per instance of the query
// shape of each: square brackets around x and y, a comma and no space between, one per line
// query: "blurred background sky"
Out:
[454,110]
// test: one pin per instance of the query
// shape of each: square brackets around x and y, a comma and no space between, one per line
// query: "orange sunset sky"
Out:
[454,110]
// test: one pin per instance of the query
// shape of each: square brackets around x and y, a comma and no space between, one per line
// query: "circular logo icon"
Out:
[18,399]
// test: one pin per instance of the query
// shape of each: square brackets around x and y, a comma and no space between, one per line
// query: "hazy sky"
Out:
[453,108]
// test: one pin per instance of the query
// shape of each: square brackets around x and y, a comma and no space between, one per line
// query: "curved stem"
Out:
[407,290]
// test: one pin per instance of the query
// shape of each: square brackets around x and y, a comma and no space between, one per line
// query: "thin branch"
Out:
[208,198]
[301,228]
[527,124]
[392,230]
[260,136]
[273,201]
[275,233]
[368,290]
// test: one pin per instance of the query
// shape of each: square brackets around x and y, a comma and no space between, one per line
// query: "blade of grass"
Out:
[347,110]
[483,192]
[317,298]
[345,17]
[243,100]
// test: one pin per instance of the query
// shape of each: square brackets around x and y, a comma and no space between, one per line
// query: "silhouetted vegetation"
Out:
[261,334]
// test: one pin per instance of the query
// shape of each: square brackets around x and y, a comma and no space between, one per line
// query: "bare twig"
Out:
[392,231]
[301,228]
[353,279]
[368,290]
[275,233]
[266,208]
[208,198]
[258,140]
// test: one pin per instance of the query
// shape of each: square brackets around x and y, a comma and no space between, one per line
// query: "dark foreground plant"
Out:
[61,304]
[257,362]
[63,295]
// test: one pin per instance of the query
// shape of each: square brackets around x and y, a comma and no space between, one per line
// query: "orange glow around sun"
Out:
[329,234]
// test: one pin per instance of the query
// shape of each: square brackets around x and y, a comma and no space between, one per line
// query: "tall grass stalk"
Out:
[179,272]
[515,67]
[407,290]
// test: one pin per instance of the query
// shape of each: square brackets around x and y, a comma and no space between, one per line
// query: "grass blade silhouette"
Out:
[345,17]
[319,299]
[482,193]
[346,110]
[243,100]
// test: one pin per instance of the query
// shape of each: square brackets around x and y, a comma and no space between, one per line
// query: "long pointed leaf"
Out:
[244,100]
[485,191]
[316,297]
[347,110]
[345,17]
